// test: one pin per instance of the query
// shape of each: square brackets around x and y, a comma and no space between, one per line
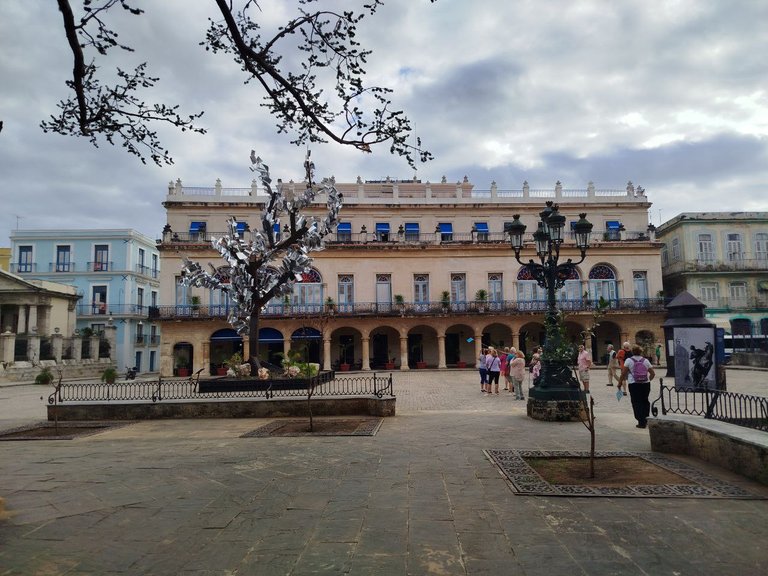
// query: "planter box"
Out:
[461,365]
[256,385]
[183,372]
[389,366]
[344,367]
[221,371]
[421,365]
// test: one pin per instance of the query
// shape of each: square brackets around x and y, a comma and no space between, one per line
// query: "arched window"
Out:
[529,294]
[602,283]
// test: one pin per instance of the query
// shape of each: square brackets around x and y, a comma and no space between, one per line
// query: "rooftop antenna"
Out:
[17,220]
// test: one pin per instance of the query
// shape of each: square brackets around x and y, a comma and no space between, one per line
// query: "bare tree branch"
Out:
[351,114]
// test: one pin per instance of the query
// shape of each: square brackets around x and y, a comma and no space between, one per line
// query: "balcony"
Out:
[737,304]
[23,267]
[101,266]
[200,239]
[141,340]
[116,310]
[147,271]
[61,266]
[703,266]
[409,309]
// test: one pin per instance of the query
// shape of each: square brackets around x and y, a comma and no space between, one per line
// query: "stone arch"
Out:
[271,346]
[223,344]
[458,350]
[422,346]
[385,347]
[308,341]
[497,335]
[346,348]
[183,354]
[531,337]
[607,333]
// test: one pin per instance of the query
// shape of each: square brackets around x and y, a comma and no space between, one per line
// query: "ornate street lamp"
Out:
[556,381]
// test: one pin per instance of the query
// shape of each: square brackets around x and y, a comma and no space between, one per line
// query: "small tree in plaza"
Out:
[269,263]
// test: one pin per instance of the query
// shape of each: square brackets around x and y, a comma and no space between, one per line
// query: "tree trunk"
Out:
[253,342]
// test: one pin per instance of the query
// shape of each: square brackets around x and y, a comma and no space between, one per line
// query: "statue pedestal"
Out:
[556,409]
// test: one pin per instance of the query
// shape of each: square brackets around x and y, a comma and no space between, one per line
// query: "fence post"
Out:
[57,344]
[7,346]
[33,347]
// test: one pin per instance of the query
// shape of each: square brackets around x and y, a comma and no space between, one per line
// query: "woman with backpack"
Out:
[639,373]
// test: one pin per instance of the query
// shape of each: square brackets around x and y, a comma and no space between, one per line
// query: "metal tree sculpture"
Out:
[268,264]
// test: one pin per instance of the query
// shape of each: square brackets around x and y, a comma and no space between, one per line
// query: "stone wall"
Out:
[222,409]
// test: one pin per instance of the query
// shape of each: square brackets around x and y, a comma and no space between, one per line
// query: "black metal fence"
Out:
[731,407]
[187,389]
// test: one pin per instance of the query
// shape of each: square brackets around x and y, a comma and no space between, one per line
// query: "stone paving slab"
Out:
[192,497]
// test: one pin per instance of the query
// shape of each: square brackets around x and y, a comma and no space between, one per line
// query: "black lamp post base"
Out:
[555,410]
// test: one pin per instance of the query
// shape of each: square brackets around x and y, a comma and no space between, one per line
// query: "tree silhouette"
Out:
[268,264]
[351,113]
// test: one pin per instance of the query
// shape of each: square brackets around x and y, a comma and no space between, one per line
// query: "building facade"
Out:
[416,275]
[117,277]
[721,258]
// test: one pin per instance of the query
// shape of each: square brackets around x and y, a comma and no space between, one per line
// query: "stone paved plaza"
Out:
[192,497]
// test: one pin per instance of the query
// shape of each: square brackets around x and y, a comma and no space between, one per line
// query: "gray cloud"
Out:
[669,95]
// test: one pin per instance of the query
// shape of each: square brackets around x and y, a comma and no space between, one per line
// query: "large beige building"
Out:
[722,259]
[417,274]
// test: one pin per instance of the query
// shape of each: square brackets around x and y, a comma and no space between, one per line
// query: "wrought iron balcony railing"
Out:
[104,309]
[101,266]
[746,303]
[436,308]
[414,238]
[147,271]
[697,266]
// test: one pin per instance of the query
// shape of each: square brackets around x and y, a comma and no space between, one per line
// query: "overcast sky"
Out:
[669,94]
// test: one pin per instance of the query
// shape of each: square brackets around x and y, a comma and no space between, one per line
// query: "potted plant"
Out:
[195,303]
[343,347]
[45,376]
[330,305]
[109,375]
[182,367]
[445,300]
[481,297]
[400,302]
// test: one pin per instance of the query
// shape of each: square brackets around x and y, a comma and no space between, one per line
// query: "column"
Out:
[57,343]
[625,338]
[21,324]
[404,353]
[32,323]
[95,347]
[366,353]
[33,348]
[110,332]
[327,354]
[8,341]
[77,346]
[516,340]
[441,351]
[205,348]
[286,347]
[478,346]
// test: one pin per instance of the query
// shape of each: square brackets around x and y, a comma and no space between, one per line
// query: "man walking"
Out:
[613,365]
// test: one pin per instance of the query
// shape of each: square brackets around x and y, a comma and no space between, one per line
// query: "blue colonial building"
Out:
[116,273]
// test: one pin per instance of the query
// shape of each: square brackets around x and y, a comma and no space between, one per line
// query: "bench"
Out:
[741,450]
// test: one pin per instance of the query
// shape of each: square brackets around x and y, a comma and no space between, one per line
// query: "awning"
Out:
[270,335]
[481,227]
[306,334]
[612,225]
[446,228]
[344,227]
[411,227]
[196,226]
[241,227]
[382,228]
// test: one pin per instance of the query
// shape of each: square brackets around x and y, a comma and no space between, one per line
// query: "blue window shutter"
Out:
[612,225]
[196,226]
[446,228]
[481,227]
[344,227]
[411,227]
[382,228]
[241,227]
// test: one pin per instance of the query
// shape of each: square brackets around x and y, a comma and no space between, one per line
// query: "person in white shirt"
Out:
[638,371]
